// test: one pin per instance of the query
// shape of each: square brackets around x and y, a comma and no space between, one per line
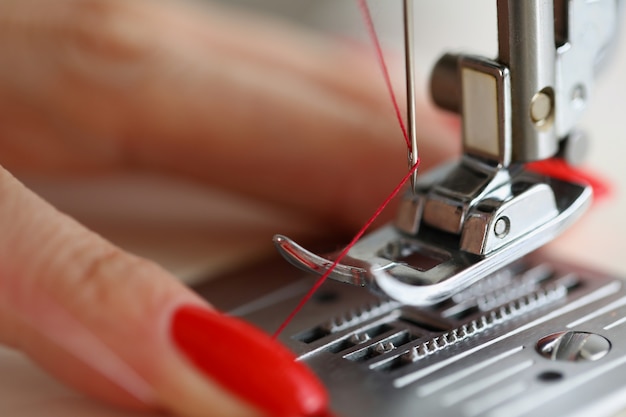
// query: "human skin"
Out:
[204,94]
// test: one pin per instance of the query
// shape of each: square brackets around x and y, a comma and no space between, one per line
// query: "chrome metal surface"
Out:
[573,346]
[431,266]
[553,58]
[574,148]
[527,47]
[590,31]
[466,326]
[486,110]
[468,219]
[471,355]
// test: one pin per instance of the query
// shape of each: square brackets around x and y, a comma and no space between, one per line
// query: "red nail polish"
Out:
[248,363]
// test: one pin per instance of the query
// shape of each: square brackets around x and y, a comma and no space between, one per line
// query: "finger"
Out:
[121,329]
[256,107]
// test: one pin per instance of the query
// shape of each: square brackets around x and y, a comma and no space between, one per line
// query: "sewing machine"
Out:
[449,312]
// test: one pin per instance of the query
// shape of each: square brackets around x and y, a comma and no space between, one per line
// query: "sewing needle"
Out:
[410,87]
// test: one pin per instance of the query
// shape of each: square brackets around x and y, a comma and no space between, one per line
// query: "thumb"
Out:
[122,329]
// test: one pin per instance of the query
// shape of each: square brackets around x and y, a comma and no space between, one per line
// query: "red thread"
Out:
[381,59]
[367,16]
[344,252]
[558,168]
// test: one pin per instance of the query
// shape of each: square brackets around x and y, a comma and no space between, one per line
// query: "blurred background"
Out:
[172,222]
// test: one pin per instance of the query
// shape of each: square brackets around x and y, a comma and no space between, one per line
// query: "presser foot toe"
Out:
[310,262]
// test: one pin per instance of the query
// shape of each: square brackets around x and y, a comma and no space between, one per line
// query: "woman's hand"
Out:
[255,107]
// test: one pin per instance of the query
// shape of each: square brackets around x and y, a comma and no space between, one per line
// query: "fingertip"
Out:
[247,362]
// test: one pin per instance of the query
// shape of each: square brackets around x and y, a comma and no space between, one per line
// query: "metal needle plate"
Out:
[484,352]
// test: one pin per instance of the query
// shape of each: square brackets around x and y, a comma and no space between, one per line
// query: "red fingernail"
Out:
[248,363]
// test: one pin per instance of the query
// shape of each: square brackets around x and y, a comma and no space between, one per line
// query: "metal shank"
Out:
[527,47]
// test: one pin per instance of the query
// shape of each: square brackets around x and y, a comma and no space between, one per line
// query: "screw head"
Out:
[541,108]
[502,227]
